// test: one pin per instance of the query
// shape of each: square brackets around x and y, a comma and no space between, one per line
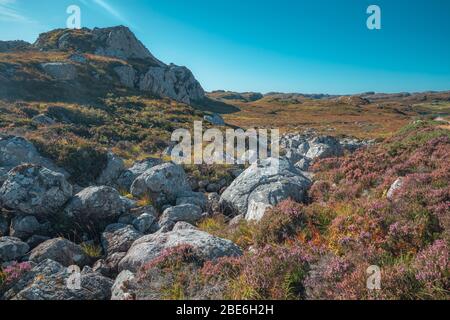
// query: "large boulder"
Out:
[163,183]
[60,250]
[186,212]
[119,238]
[12,249]
[114,168]
[50,280]
[61,71]
[35,190]
[128,176]
[268,182]
[15,151]
[152,246]
[96,204]
[174,82]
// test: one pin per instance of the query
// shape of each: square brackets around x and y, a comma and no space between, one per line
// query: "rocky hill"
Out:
[88,64]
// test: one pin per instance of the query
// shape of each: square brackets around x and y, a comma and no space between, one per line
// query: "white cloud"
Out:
[9,13]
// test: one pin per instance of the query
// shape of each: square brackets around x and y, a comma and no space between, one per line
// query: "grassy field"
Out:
[376,119]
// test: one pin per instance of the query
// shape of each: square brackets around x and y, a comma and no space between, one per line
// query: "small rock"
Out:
[185,212]
[114,168]
[146,223]
[397,185]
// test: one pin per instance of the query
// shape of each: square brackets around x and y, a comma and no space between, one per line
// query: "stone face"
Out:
[128,176]
[12,249]
[186,212]
[119,238]
[60,250]
[127,75]
[49,281]
[174,82]
[96,204]
[150,247]
[114,168]
[163,183]
[35,190]
[397,185]
[15,151]
[60,71]
[268,182]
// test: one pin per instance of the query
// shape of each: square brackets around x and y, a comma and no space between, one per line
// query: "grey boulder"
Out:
[12,249]
[186,212]
[163,183]
[35,190]
[114,168]
[128,176]
[152,246]
[60,250]
[266,182]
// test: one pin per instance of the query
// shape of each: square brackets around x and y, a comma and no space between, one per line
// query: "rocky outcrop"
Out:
[49,281]
[172,81]
[60,250]
[35,190]
[267,182]
[150,247]
[139,69]
[127,75]
[163,183]
[60,71]
[12,249]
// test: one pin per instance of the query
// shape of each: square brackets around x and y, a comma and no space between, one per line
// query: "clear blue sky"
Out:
[283,45]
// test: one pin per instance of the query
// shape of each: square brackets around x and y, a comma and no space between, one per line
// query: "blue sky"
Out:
[284,45]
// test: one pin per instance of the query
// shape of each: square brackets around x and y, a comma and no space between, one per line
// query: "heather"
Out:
[322,250]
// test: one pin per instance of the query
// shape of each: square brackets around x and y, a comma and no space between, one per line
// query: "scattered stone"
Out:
[128,176]
[109,267]
[50,280]
[146,223]
[42,120]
